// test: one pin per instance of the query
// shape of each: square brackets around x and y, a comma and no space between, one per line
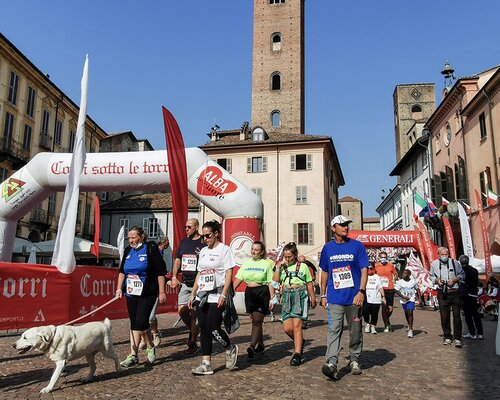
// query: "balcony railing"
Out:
[45,141]
[13,150]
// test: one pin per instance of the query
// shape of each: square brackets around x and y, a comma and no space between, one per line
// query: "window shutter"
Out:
[161,232]
[249,164]
[295,233]
[145,225]
[264,164]
[304,194]
[310,233]
[309,164]
[229,165]
[292,162]
[297,195]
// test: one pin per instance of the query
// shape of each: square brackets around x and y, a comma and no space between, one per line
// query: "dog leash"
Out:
[93,311]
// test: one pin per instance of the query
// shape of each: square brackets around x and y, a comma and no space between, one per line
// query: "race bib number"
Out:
[134,285]
[385,281]
[188,262]
[342,278]
[206,280]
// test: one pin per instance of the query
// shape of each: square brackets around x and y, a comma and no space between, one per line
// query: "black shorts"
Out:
[389,296]
[139,310]
[257,299]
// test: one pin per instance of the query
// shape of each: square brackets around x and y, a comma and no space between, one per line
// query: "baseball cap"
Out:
[340,219]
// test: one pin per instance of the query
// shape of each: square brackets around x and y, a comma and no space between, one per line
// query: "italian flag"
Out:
[444,202]
[492,198]
[419,204]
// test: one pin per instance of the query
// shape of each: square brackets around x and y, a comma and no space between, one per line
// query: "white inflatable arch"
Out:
[148,171]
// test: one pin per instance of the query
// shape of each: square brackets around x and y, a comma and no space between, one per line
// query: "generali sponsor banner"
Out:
[385,238]
[239,234]
[449,238]
[488,268]
[35,295]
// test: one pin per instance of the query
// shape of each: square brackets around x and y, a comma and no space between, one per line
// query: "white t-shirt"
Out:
[406,288]
[219,259]
[373,286]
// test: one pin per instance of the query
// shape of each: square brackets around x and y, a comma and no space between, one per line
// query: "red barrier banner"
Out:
[35,295]
[421,252]
[449,237]
[430,248]
[488,268]
[385,238]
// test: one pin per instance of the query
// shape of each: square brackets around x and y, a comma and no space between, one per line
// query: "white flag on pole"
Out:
[465,229]
[63,257]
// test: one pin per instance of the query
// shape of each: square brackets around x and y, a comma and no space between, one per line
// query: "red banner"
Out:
[385,238]
[449,238]
[35,295]
[94,249]
[420,248]
[430,249]
[178,176]
[488,268]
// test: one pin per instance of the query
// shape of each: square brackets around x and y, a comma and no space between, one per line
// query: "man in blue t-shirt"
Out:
[344,274]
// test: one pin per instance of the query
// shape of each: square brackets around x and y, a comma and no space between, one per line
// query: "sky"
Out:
[195,58]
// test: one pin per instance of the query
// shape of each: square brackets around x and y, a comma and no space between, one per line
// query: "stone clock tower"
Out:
[278,66]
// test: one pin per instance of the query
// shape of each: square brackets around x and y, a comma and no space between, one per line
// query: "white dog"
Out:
[65,343]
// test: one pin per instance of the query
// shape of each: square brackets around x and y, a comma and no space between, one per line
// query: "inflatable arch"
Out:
[47,172]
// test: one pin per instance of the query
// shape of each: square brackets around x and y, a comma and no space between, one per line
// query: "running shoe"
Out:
[296,360]
[410,333]
[386,329]
[480,337]
[151,355]
[373,330]
[330,371]
[391,329]
[250,351]
[355,368]
[367,328]
[458,344]
[156,339]
[447,342]
[203,369]
[130,361]
[259,348]
[231,357]
[469,336]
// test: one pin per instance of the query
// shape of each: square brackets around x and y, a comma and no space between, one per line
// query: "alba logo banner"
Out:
[212,183]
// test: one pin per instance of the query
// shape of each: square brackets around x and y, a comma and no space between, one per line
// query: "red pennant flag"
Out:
[421,252]
[177,170]
[488,268]
[449,238]
[94,249]
[430,248]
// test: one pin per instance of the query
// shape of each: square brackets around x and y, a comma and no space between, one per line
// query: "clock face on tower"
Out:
[447,138]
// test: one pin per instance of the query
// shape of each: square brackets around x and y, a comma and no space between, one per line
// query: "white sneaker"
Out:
[386,329]
[203,369]
[231,357]
[156,340]
[355,368]
[151,355]
[373,330]
[367,328]
[410,333]
[469,336]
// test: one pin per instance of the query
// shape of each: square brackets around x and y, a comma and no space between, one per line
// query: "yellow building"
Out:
[36,116]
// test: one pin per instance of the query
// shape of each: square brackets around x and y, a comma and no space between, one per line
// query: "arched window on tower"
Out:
[275,81]
[416,112]
[275,119]
[276,41]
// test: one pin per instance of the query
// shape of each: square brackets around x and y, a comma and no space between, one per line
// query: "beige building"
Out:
[371,224]
[36,116]
[278,66]
[465,151]
[296,176]
[352,208]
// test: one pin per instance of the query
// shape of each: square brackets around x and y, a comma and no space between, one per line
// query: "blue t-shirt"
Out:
[136,263]
[349,256]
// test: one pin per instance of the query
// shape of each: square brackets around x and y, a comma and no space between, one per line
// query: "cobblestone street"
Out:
[394,367]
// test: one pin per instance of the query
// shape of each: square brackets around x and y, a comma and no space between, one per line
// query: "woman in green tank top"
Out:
[257,274]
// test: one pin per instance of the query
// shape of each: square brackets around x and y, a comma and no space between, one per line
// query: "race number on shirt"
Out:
[385,281]
[188,262]
[134,285]
[206,280]
[342,278]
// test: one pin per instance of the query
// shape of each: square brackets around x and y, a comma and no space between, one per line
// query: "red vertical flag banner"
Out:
[488,268]
[449,238]
[177,170]
[94,249]
[427,242]
[421,252]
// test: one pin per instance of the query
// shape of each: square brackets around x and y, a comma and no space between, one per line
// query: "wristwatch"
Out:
[362,291]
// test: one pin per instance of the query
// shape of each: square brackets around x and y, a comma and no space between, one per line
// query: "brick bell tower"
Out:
[278,66]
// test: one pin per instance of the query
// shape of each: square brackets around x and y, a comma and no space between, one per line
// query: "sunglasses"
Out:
[344,224]
[207,235]
[188,227]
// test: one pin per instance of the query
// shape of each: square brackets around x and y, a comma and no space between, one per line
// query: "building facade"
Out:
[352,208]
[278,66]
[36,116]
[390,211]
